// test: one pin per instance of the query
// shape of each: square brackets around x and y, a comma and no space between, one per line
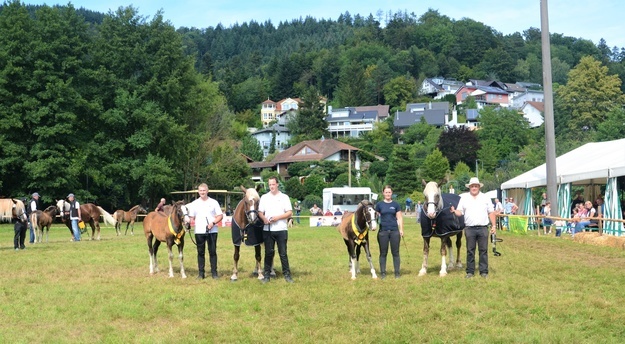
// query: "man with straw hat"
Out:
[478,211]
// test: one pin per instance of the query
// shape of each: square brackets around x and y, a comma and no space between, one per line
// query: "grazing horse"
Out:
[354,229]
[89,213]
[170,229]
[438,221]
[247,228]
[43,219]
[129,216]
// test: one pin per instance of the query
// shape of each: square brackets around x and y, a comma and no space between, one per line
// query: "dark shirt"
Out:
[388,215]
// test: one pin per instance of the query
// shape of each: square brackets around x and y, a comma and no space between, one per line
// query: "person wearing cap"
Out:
[74,215]
[33,206]
[478,212]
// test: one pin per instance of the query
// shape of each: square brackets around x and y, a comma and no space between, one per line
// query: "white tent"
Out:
[592,163]
[597,163]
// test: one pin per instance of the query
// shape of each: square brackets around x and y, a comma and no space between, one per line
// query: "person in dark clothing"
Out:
[20,234]
[391,230]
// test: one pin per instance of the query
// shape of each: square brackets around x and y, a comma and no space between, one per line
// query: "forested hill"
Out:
[253,61]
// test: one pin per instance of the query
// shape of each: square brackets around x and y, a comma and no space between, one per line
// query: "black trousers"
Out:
[20,234]
[271,239]
[384,238]
[206,240]
[479,236]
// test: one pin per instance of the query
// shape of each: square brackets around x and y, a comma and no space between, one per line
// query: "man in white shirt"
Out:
[478,210]
[207,214]
[275,209]
[34,202]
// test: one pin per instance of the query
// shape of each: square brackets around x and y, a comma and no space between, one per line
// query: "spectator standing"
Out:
[74,215]
[408,205]
[477,209]
[33,205]
[207,214]
[315,210]
[274,209]
[298,209]
[391,230]
[547,222]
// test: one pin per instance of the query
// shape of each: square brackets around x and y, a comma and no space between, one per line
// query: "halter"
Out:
[170,223]
[359,232]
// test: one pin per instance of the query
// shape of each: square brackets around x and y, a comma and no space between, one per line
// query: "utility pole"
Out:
[550,141]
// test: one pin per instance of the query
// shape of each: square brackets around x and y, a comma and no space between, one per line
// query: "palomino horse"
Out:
[354,229]
[129,216]
[438,221]
[12,208]
[247,228]
[43,219]
[89,213]
[160,227]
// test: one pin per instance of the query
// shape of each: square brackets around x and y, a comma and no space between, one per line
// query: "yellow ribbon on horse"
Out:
[359,235]
[178,235]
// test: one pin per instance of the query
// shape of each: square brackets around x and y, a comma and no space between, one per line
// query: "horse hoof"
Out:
[422,273]
[353,278]
[184,276]
[443,274]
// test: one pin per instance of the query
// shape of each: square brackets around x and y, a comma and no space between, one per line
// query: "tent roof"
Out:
[591,163]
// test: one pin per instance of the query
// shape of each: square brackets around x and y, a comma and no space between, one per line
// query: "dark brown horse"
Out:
[43,219]
[129,216]
[89,213]
[247,228]
[438,221]
[354,229]
[170,229]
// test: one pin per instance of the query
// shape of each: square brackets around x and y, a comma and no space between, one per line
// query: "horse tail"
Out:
[34,219]
[108,218]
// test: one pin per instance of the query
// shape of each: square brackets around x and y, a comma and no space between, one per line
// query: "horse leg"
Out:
[126,232]
[235,270]
[151,252]
[157,243]
[443,271]
[259,267]
[458,246]
[450,261]
[97,226]
[368,253]
[351,252]
[357,247]
[132,227]
[426,252]
[181,259]
[118,229]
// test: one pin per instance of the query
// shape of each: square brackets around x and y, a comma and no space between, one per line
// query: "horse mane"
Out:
[50,208]
[6,208]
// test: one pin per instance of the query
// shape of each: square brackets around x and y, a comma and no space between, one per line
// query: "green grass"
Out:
[542,289]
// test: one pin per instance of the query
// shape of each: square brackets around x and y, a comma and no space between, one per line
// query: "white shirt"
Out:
[475,209]
[274,205]
[204,212]
[33,206]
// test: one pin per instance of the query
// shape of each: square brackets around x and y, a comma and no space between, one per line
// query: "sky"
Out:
[591,20]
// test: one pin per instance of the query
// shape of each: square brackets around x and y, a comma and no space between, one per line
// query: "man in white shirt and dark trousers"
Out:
[275,209]
[207,214]
[478,211]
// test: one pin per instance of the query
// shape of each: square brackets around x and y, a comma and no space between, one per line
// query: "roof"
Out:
[540,106]
[416,107]
[354,114]
[383,110]
[601,160]
[275,127]
[316,150]
[432,117]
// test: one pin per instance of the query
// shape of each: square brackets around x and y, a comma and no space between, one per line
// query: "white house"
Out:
[534,113]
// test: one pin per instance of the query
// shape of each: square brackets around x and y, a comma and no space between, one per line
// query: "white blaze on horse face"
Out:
[431,193]
[252,211]
[374,223]
[60,205]
[185,212]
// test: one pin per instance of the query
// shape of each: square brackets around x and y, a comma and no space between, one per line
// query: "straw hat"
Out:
[474,181]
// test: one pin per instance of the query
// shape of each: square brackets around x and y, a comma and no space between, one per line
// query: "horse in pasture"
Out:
[170,229]
[89,213]
[438,221]
[247,228]
[129,216]
[43,219]
[354,229]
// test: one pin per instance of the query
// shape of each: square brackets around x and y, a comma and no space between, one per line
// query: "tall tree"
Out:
[459,144]
[589,95]
[402,169]
[309,123]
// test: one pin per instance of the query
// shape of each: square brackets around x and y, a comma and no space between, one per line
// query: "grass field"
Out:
[541,290]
